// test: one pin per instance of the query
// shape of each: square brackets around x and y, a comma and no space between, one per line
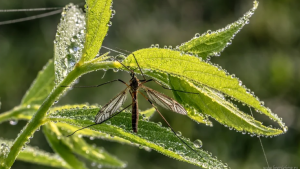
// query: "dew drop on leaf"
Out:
[13,122]
[198,143]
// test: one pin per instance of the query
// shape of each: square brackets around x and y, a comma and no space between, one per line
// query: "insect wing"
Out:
[164,101]
[111,107]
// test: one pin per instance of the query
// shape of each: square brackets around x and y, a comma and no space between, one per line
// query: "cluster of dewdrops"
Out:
[69,40]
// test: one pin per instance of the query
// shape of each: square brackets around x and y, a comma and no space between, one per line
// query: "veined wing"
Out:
[111,107]
[164,101]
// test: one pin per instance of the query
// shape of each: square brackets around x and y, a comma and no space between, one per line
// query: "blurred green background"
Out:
[264,55]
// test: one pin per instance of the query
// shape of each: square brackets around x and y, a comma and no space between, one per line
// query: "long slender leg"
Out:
[169,125]
[99,123]
[152,80]
[99,84]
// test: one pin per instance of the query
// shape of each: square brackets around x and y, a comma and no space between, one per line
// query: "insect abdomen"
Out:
[135,112]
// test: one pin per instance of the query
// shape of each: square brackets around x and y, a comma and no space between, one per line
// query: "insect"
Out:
[154,97]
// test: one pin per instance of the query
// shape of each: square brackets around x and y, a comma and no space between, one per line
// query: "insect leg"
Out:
[99,84]
[150,80]
[31,17]
[169,125]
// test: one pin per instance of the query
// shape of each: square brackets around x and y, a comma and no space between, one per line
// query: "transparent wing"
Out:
[164,101]
[111,107]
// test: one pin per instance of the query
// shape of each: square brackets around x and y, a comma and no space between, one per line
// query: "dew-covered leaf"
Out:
[35,155]
[212,43]
[148,113]
[54,138]
[97,155]
[41,86]
[88,133]
[69,40]
[98,20]
[19,113]
[200,73]
[149,134]
[91,134]
[214,104]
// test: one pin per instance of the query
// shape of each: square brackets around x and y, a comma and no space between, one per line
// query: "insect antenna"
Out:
[139,66]
[99,123]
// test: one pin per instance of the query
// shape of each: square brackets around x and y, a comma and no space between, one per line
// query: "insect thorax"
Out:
[134,83]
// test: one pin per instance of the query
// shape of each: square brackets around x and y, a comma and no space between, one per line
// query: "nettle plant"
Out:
[186,67]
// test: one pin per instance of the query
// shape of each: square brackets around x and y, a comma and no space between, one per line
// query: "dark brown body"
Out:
[134,85]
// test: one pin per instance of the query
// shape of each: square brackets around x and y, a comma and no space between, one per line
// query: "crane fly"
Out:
[109,110]
[135,85]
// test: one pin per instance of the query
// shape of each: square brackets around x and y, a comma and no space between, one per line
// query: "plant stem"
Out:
[37,119]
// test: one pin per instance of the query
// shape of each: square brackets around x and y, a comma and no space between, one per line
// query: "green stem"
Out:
[37,119]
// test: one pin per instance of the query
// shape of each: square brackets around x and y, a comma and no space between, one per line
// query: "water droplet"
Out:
[240,83]
[108,122]
[109,23]
[157,45]
[13,122]
[198,143]
[152,46]
[285,129]
[209,32]
[159,123]
[113,12]
[179,133]
[197,35]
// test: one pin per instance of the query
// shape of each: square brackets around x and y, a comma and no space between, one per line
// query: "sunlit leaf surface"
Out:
[200,73]
[149,134]
[98,21]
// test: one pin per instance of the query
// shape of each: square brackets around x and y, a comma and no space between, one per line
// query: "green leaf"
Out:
[212,43]
[89,133]
[199,73]
[150,134]
[215,105]
[98,20]
[148,113]
[69,40]
[54,138]
[95,154]
[35,155]
[41,86]
[19,113]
